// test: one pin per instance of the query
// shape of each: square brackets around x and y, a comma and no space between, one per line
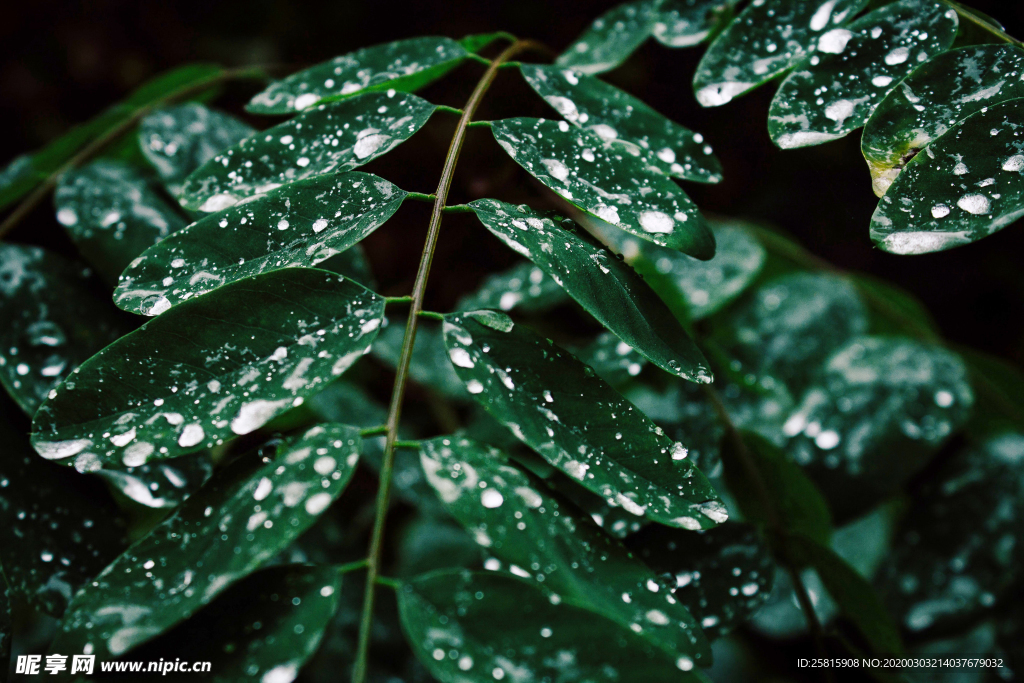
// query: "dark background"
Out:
[63,62]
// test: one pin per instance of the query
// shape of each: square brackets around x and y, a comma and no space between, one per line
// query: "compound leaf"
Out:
[112,214]
[557,406]
[213,368]
[968,184]
[518,519]
[476,627]
[684,23]
[611,38]
[330,138]
[260,507]
[607,288]
[834,91]
[299,225]
[162,484]
[606,181]
[625,122]
[763,41]
[403,65]
[524,287]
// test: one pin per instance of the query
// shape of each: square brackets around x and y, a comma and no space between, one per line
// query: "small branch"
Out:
[807,607]
[459,208]
[397,300]
[359,670]
[431,315]
[373,431]
[480,124]
[411,445]
[393,584]
[448,110]
[968,14]
[421,197]
[351,566]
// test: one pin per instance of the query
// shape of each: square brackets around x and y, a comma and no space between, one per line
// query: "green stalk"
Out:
[359,670]
[980,21]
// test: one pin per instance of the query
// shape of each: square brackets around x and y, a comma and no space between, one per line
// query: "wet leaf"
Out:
[579,424]
[893,310]
[614,361]
[430,543]
[611,38]
[524,287]
[852,593]
[50,322]
[26,172]
[330,138]
[112,214]
[793,499]
[57,528]
[403,65]
[606,181]
[476,42]
[256,348]
[353,264]
[999,389]
[163,484]
[260,507]
[967,185]
[429,366]
[343,401]
[938,94]
[266,626]
[722,575]
[607,288]
[765,40]
[299,225]
[475,627]
[519,521]
[790,325]
[960,550]
[178,140]
[684,23]
[877,396]
[834,91]
[625,123]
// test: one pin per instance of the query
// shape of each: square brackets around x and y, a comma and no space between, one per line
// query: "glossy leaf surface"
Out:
[684,23]
[257,348]
[403,65]
[161,484]
[429,365]
[50,321]
[607,182]
[625,122]
[967,185]
[184,563]
[518,520]
[330,138]
[607,288]
[765,40]
[579,424]
[112,214]
[178,140]
[295,226]
[524,287]
[938,94]
[474,627]
[834,91]
[611,38]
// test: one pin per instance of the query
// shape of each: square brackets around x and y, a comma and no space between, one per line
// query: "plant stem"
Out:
[420,197]
[96,146]
[359,670]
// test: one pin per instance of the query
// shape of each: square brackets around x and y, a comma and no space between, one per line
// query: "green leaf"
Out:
[968,185]
[999,389]
[960,549]
[524,287]
[178,140]
[791,324]
[558,407]
[404,65]
[260,507]
[684,23]
[255,349]
[430,543]
[342,401]
[834,91]
[353,264]
[163,484]
[607,182]
[429,365]
[474,627]
[50,321]
[625,122]
[298,225]
[518,520]
[58,528]
[26,172]
[877,396]
[894,310]
[112,214]
[765,40]
[476,42]
[330,138]
[722,575]
[264,628]
[703,287]
[795,502]
[852,593]
[947,89]
[614,361]
[607,288]
[611,38]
